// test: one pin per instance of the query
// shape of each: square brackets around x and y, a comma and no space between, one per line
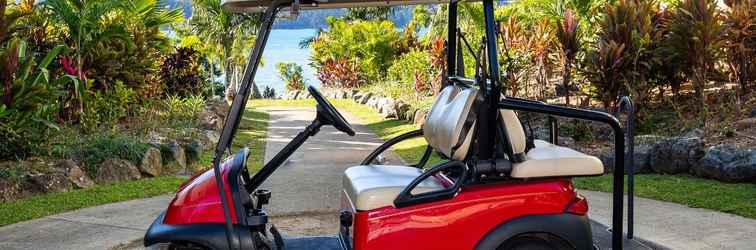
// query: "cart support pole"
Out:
[626,105]
[234,117]
[451,41]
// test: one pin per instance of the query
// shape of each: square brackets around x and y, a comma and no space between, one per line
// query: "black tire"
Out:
[184,246]
[533,242]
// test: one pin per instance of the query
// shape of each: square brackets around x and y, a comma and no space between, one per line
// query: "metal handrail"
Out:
[626,105]
[619,151]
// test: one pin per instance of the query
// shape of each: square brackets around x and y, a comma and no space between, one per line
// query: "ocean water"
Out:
[283,46]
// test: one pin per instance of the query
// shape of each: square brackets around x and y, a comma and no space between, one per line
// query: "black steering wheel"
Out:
[328,114]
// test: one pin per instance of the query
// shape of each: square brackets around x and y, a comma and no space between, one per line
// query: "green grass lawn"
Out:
[252,133]
[731,198]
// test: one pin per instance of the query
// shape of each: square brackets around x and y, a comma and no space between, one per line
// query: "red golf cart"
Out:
[497,188]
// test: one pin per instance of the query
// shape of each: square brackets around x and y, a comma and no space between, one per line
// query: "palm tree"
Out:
[86,23]
[214,24]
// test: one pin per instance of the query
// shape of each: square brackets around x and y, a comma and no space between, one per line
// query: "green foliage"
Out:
[369,13]
[341,73]
[93,150]
[370,44]
[269,93]
[184,111]
[180,73]
[108,106]
[291,74]
[412,67]
[27,99]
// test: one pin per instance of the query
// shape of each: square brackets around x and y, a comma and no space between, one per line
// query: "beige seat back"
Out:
[450,122]
[515,133]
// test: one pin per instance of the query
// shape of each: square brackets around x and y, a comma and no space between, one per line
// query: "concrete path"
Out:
[95,228]
[677,226]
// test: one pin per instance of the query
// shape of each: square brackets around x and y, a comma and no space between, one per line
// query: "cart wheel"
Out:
[532,243]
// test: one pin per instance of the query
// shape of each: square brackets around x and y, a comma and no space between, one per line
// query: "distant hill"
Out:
[312,19]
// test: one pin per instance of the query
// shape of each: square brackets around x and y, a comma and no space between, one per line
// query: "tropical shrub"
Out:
[27,103]
[182,111]
[291,74]
[568,36]
[341,73]
[108,106]
[269,93]
[740,40]
[180,73]
[695,34]
[369,44]
[626,52]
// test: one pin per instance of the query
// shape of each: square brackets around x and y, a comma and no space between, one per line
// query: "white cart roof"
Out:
[260,5]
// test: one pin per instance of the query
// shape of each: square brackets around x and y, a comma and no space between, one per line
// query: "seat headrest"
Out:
[515,132]
[449,125]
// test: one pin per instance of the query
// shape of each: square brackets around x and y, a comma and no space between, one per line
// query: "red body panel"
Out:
[198,200]
[458,223]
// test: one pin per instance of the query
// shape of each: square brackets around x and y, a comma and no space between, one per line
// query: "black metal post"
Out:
[626,104]
[489,110]
[618,179]
[451,40]
[554,130]
[234,117]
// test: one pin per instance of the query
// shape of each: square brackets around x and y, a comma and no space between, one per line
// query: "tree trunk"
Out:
[566,80]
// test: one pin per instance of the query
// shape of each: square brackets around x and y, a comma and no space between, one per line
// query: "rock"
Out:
[357,97]
[566,141]
[366,97]
[115,170]
[640,159]
[214,113]
[676,155]
[387,107]
[208,139]
[47,183]
[647,139]
[193,152]
[746,123]
[75,174]
[753,113]
[410,114]
[401,109]
[152,162]
[420,116]
[9,190]
[373,101]
[727,163]
[174,158]
[696,132]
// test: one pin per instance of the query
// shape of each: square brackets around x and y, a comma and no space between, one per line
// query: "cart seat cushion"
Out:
[450,122]
[548,160]
[373,186]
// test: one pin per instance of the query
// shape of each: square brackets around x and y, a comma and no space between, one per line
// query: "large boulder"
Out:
[401,109]
[676,155]
[47,183]
[193,152]
[174,158]
[387,107]
[727,163]
[357,96]
[420,116]
[75,174]
[746,123]
[115,170]
[151,163]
